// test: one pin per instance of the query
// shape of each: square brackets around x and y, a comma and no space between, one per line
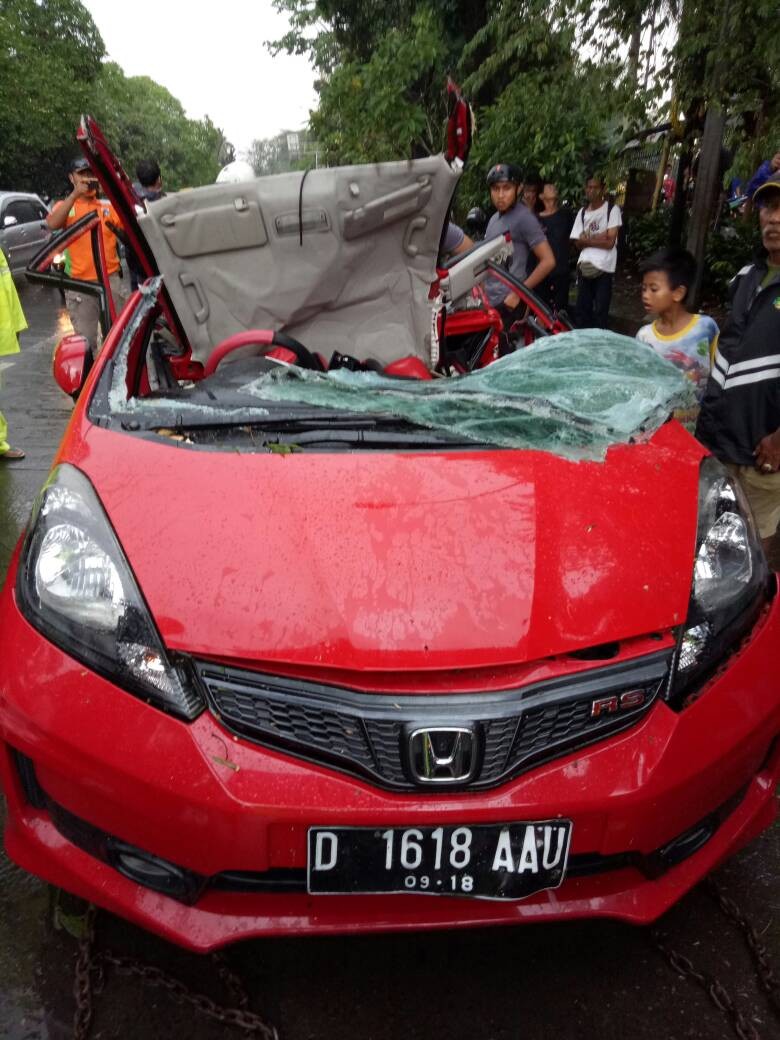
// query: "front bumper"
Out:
[220,807]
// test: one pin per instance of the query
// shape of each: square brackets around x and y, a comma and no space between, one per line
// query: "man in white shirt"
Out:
[595,234]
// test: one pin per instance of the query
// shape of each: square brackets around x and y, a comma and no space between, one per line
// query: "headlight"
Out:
[76,587]
[730,579]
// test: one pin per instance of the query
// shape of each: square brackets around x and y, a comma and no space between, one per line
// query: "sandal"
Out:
[12,455]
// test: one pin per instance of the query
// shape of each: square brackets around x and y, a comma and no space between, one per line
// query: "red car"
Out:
[268,669]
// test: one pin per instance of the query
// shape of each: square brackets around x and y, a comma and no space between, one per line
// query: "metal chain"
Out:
[758,951]
[82,986]
[246,1020]
[233,982]
[742,1026]
[90,962]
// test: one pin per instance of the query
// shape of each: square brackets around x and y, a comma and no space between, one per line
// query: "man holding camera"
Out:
[83,309]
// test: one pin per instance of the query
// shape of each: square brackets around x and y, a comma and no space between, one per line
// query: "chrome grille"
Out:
[366,733]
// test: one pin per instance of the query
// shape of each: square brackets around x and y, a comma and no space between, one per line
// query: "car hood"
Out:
[390,561]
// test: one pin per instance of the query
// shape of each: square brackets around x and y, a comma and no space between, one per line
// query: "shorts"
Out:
[763,494]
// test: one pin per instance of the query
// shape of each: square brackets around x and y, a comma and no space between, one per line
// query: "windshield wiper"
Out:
[375,438]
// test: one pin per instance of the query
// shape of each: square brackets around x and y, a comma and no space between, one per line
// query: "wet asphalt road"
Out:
[582,980]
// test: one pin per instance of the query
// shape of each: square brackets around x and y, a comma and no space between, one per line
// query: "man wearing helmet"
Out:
[527,236]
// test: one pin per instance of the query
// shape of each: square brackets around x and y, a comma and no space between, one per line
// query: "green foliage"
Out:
[734,244]
[725,53]
[335,32]
[380,109]
[50,57]
[52,71]
[647,233]
[142,120]
[550,112]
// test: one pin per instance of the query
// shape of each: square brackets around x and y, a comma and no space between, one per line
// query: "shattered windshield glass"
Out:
[573,394]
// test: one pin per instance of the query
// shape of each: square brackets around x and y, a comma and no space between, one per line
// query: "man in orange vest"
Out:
[83,309]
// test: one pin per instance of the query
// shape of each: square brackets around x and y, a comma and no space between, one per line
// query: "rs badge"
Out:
[617,702]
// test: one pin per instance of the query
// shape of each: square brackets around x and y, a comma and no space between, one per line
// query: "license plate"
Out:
[487,861]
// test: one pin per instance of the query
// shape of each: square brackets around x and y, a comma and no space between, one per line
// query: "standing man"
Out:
[595,234]
[527,236]
[83,309]
[148,188]
[532,190]
[557,224]
[740,413]
[149,180]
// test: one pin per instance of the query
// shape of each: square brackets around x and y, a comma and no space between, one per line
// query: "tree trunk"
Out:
[708,184]
[705,195]
[680,190]
[632,67]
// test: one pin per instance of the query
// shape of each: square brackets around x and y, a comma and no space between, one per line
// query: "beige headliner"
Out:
[232,258]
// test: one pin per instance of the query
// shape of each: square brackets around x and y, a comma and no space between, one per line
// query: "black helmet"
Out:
[476,221]
[504,172]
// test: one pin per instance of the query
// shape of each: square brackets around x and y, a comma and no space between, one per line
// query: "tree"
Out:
[143,120]
[538,104]
[50,58]
[382,66]
[288,150]
[721,65]
[391,105]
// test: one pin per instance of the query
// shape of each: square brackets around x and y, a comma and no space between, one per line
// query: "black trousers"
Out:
[593,299]
[554,290]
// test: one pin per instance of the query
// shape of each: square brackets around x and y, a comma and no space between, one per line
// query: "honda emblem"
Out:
[443,754]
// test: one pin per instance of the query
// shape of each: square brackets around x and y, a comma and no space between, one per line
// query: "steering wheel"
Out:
[263,340]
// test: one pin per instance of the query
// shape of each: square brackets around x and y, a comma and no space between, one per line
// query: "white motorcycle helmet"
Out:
[235,173]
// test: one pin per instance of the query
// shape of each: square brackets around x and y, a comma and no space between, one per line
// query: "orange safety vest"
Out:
[81,260]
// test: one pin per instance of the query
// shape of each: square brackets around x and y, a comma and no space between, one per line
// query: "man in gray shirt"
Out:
[527,236]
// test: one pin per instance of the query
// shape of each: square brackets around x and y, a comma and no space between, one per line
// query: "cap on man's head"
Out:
[79,165]
[770,184]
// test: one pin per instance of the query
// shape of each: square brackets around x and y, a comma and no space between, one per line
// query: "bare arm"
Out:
[546,263]
[467,243]
[605,241]
[544,254]
[59,214]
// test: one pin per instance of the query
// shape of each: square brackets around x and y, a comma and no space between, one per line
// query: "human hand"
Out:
[775,162]
[511,301]
[81,188]
[767,453]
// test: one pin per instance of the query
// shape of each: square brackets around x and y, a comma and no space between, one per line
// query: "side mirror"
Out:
[9,221]
[71,364]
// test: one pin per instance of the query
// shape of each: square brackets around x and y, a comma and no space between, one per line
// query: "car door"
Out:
[41,267]
[24,230]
